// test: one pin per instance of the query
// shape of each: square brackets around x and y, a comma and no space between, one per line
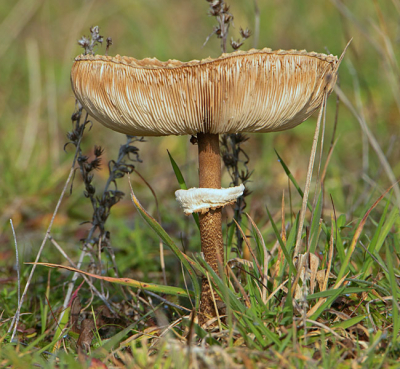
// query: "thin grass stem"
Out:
[309,176]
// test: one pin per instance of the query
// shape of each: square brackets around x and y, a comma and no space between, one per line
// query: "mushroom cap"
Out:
[253,91]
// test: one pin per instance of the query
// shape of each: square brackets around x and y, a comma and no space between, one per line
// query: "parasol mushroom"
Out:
[253,91]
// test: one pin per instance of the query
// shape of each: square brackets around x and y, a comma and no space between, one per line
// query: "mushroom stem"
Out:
[211,221]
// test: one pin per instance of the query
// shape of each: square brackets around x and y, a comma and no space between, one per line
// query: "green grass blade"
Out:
[394,290]
[290,176]
[329,293]
[62,324]
[278,236]
[43,315]
[261,248]
[182,183]
[231,232]
[290,244]
[186,261]
[384,226]
[157,288]
[296,185]
[387,227]
[374,241]
[244,313]
[178,173]
[108,344]
[348,323]
[346,262]
[326,305]
[339,242]
[40,339]
[315,229]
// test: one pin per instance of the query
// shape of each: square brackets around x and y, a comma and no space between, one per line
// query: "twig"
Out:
[71,172]
[165,301]
[19,280]
[72,283]
[323,326]
[70,176]
[87,280]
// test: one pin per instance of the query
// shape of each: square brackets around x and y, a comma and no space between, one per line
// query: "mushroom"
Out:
[253,91]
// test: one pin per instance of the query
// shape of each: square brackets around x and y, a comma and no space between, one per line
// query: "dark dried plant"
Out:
[220,10]
[233,155]
[235,160]
[89,43]
[124,164]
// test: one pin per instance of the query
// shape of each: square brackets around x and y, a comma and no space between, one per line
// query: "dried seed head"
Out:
[236,44]
[245,33]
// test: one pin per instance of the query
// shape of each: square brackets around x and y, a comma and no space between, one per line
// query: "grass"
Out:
[278,314]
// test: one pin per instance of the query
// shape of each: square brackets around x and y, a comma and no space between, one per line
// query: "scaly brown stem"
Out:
[210,222]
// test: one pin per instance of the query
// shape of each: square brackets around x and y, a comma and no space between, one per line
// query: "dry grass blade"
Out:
[35,98]
[325,327]
[323,299]
[123,281]
[332,144]
[53,123]
[300,274]
[19,280]
[348,14]
[318,182]
[309,176]
[396,3]
[330,258]
[314,264]
[217,317]
[374,143]
[281,257]
[280,287]
[16,21]
[328,159]
[256,25]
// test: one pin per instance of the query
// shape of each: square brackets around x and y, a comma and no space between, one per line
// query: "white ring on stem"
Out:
[201,200]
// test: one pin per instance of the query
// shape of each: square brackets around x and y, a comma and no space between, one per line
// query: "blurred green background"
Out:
[37,47]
